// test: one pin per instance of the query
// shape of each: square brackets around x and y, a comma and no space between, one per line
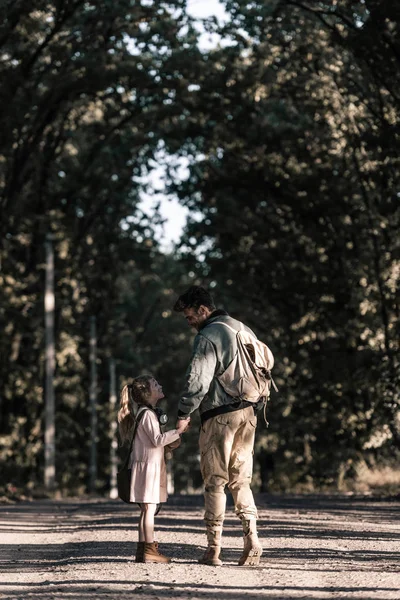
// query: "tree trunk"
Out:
[113,432]
[49,427]
[93,406]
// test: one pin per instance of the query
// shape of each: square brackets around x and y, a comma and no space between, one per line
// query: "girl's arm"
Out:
[152,428]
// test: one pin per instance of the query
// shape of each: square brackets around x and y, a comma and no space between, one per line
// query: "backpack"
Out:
[248,376]
[124,474]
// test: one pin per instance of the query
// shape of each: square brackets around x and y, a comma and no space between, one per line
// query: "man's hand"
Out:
[182,425]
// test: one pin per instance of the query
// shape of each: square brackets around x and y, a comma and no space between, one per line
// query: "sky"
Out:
[174,214]
[205,8]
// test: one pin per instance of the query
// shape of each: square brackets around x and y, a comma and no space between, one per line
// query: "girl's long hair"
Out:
[132,396]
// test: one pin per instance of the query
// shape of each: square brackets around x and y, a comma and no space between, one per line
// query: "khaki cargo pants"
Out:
[226,458]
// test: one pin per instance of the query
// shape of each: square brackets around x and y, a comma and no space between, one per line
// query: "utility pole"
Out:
[93,406]
[113,432]
[50,361]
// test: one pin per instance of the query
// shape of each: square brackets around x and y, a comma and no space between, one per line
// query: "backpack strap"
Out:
[244,347]
[239,341]
[221,323]
[228,326]
[138,418]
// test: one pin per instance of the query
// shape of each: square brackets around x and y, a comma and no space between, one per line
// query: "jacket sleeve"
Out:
[199,376]
[151,426]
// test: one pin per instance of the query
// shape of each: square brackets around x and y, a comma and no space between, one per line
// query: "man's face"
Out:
[196,316]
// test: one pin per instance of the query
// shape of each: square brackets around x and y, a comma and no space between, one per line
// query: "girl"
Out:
[149,478]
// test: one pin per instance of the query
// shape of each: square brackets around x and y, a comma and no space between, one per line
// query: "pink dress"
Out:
[147,463]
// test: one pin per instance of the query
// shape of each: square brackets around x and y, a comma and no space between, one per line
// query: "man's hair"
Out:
[194,297]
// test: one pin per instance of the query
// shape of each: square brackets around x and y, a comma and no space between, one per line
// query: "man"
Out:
[228,424]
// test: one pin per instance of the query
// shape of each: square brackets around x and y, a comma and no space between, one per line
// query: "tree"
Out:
[88,93]
[293,168]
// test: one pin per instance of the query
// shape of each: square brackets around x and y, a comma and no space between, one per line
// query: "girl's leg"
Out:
[148,511]
[151,553]
[141,524]
[141,543]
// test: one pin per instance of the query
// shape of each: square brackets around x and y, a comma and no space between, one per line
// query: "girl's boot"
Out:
[152,555]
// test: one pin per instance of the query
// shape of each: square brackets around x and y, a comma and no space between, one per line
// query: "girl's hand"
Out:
[182,425]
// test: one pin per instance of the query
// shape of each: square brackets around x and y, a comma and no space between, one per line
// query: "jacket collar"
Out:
[214,315]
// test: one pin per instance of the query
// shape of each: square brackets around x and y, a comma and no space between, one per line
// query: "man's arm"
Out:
[199,375]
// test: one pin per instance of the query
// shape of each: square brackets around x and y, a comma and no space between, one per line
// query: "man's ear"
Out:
[203,310]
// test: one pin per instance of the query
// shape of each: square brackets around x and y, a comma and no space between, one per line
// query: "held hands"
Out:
[182,425]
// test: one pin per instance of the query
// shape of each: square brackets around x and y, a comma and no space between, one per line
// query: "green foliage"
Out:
[298,189]
[85,99]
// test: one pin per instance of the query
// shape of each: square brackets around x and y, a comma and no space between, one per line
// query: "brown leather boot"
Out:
[152,555]
[211,555]
[139,552]
[252,550]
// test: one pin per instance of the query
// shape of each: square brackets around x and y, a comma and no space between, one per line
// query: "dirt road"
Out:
[314,547]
